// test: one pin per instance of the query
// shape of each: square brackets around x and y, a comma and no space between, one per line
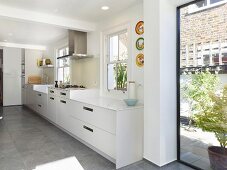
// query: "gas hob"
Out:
[72,87]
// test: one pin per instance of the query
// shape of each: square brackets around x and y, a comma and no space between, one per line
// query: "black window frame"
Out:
[178,83]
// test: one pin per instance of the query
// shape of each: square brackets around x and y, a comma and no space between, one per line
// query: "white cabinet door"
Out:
[62,113]
[30,97]
[27,96]
[37,103]
[11,76]
[24,96]
[43,103]
[76,127]
[96,137]
[100,117]
[51,108]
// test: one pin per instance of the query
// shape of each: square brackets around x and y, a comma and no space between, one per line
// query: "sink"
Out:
[43,88]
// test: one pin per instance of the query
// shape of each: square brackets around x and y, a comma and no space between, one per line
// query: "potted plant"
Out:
[213,118]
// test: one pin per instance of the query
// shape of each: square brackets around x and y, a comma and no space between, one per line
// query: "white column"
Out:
[160,82]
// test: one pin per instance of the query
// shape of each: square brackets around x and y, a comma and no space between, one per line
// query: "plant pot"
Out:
[218,157]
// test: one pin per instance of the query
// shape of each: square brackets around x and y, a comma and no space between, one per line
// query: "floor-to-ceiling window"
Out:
[202,84]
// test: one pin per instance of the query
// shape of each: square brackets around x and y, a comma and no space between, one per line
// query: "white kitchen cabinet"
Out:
[52,107]
[100,117]
[62,116]
[23,96]
[117,134]
[44,104]
[40,103]
[36,101]
[12,76]
[33,100]
[98,138]
[29,96]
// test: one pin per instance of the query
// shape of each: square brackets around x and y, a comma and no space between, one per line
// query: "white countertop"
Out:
[42,88]
[108,103]
[92,97]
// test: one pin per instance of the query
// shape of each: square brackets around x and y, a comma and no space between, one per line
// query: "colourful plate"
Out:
[140,60]
[139,28]
[140,43]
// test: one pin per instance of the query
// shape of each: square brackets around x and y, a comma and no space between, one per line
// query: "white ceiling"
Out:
[89,10]
[24,32]
[15,31]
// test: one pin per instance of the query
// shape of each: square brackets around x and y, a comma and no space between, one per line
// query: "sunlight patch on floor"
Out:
[70,163]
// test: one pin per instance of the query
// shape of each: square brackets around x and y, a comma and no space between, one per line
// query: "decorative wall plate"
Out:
[140,60]
[139,28]
[140,43]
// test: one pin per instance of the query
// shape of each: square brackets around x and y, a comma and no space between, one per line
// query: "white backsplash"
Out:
[86,72]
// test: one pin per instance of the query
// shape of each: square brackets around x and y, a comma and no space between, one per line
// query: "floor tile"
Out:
[27,140]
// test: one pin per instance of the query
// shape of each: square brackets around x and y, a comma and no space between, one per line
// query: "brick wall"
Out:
[203,26]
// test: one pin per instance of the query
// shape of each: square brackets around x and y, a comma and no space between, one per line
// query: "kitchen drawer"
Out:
[100,117]
[51,91]
[41,103]
[44,104]
[63,93]
[62,116]
[39,108]
[51,108]
[38,97]
[96,137]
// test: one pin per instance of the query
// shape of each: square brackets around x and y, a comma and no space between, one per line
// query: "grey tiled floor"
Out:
[195,152]
[27,140]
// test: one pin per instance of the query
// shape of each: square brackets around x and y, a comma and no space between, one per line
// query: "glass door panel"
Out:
[202,86]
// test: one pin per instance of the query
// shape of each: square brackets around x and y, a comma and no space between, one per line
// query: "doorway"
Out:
[202,84]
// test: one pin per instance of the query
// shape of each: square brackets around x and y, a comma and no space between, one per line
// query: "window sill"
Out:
[192,11]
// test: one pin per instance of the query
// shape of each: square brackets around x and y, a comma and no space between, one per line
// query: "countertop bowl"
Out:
[131,102]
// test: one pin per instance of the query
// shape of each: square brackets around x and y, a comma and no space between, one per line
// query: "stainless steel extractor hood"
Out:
[77,42]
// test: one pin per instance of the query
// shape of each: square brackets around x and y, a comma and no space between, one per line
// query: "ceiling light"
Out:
[105,8]
[10,34]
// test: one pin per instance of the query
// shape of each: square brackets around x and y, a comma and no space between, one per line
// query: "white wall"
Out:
[83,72]
[31,68]
[50,53]
[87,71]
[160,82]
[127,17]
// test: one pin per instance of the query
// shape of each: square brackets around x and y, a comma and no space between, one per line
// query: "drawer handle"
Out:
[51,91]
[51,98]
[88,109]
[39,105]
[62,101]
[87,128]
[39,95]
[64,94]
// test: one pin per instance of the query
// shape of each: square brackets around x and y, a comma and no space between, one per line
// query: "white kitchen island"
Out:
[106,125]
